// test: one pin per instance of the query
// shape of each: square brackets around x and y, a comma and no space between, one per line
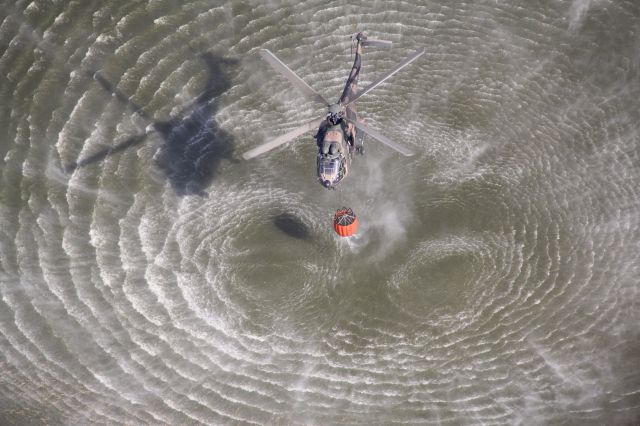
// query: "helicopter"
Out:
[340,133]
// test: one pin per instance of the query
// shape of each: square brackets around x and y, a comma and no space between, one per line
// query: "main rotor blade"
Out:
[387,75]
[281,140]
[279,66]
[382,138]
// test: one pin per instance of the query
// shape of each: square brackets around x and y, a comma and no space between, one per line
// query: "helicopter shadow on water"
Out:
[193,145]
[292,226]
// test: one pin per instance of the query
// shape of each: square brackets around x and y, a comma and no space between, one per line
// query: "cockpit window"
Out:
[330,170]
[328,167]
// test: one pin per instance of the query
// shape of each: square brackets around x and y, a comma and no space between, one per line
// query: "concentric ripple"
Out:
[149,276]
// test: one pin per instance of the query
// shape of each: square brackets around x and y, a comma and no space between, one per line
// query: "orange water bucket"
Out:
[345,222]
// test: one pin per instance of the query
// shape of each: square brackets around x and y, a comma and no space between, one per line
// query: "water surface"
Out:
[149,276]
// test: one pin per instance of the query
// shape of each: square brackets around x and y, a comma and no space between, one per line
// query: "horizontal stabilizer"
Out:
[377,43]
